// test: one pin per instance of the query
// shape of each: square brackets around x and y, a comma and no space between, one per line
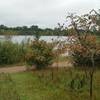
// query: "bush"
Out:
[81,60]
[82,55]
[11,53]
[40,54]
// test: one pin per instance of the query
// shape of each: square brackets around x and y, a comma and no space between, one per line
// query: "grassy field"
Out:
[47,85]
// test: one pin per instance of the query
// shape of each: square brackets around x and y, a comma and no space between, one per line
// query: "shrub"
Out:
[82,55]
[11,53]
[40,54]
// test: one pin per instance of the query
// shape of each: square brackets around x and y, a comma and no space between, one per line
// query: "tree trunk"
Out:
[52,74]
[91,76]
[91,86]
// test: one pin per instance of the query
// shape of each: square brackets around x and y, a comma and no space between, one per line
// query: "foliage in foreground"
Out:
[82,55]
[85,46]
[39,85]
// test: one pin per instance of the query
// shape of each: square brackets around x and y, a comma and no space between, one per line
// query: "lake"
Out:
[21,38]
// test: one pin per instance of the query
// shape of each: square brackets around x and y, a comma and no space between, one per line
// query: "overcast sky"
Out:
[45,13]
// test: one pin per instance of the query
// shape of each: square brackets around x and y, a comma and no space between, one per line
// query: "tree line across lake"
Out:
[32,30]
[35,30]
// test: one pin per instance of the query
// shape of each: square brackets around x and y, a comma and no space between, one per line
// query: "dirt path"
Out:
[13,69]
[23,68]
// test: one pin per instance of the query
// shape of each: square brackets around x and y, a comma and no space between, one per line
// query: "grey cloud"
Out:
[45,13]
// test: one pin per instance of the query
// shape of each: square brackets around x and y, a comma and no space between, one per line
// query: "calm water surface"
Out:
[19,39]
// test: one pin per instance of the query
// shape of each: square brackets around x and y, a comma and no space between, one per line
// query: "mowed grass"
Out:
[49,84]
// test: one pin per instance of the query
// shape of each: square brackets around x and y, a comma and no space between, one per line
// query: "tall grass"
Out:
[39,85]
[11,53]
[7,88]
